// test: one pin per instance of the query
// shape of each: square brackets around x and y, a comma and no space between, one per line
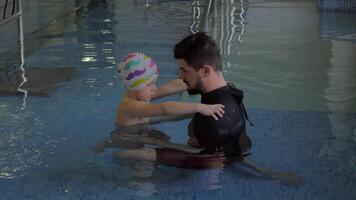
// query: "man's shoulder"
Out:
[235,93]
[229,93]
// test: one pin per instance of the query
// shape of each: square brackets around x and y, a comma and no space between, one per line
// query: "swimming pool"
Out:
[295,65]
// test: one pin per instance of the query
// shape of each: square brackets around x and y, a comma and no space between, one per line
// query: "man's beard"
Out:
[198,89]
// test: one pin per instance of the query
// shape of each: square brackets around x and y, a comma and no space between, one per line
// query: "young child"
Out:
[139,73]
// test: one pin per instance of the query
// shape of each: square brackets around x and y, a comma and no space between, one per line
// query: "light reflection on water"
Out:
[22,142]
[283,65]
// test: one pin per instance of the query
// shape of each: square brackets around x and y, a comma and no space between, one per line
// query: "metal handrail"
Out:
[12,17]
[5,9]
[18,15]
[206,15]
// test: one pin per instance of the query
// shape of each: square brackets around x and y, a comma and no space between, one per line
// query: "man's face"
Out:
[191,77]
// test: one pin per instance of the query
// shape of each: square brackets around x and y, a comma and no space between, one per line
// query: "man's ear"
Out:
[206,70]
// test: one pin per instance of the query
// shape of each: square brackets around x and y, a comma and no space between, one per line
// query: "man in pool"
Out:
[222,140]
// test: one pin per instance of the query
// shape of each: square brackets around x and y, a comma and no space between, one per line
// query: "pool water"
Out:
[296,66]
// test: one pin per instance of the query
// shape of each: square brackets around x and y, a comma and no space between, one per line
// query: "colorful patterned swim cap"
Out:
[137,70]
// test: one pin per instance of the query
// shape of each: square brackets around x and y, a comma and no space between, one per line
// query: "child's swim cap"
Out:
[137,70]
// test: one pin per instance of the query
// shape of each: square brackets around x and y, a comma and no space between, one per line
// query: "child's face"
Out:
[146,93]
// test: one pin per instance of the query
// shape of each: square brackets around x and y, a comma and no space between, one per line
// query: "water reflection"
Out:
[95,31]
[22,141]
[340,29]
[340,91]
[128,140]
[226,22]
[231,20]
[197,16]
[141,148]
[142,180]
[285,64]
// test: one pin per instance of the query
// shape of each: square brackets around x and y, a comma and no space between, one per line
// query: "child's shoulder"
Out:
[128,103]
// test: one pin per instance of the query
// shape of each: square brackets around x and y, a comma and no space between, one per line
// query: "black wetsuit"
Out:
[228,134]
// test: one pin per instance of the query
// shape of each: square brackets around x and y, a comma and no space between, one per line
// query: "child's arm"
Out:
[170,118]
[172,87]
[143,109]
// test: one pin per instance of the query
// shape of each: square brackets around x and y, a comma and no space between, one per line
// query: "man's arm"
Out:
[172,87]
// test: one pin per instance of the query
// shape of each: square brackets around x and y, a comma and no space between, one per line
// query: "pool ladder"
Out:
[206,15]
[17,5]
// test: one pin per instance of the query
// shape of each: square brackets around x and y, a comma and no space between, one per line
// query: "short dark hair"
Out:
[198,50]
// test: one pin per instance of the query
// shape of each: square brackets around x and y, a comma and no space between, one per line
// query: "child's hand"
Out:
[214,110]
